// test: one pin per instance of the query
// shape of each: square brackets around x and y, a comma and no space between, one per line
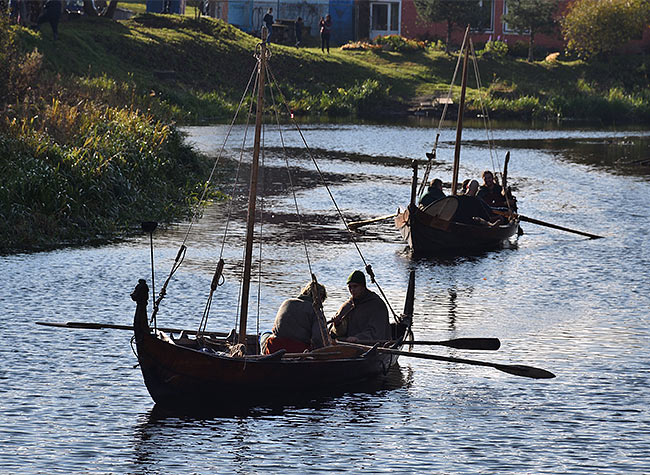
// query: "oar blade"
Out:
[525,371]
[485,344]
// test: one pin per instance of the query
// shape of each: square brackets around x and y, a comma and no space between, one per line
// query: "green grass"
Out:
[211,62]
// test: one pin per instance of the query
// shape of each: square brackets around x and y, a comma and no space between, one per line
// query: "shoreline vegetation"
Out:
[89,144]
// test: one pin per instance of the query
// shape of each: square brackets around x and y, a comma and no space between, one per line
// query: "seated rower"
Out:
[490,191]
[463,187]
[364,316]
[434,193]
[472,188]
[296,327]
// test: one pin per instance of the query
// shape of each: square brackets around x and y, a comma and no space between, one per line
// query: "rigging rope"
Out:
[368,267]
[425,176]
[484,111]
[180,256]
[286,160]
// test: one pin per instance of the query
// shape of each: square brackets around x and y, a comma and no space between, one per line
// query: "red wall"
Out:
[414,27]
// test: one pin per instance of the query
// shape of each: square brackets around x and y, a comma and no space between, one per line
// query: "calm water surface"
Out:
[71,401]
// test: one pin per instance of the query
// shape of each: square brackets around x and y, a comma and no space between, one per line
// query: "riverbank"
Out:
[89,147]
[193,71]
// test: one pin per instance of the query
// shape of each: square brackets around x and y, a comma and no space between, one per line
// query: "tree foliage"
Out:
[453,12]
[531,17]
[596,28]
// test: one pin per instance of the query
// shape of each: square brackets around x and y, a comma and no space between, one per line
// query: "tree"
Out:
[454,12]
[531,17]
[596,28]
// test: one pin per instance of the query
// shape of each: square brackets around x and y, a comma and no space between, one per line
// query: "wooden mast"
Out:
[252,194]
[461,108]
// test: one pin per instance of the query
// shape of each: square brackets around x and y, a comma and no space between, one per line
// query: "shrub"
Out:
[495,49]
[399,43]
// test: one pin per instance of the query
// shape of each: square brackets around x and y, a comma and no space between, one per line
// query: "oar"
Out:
[356,224]
[487,344]
[544,223]
[555,226]
[110,326]
[517,370]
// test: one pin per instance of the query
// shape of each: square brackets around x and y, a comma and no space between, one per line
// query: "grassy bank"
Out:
[88,147]
[193,70]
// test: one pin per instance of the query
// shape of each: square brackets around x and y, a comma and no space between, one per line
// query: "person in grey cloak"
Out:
[364,316]
[296,327]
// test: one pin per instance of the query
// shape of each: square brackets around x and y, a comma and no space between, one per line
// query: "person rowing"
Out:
[364,316]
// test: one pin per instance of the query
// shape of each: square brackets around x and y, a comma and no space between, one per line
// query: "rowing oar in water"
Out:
[517,370]
[561,228]
[549,225]
[356,224]
[486,344]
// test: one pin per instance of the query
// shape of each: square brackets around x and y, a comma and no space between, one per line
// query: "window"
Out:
[484,16]
[379,16]
[394,16]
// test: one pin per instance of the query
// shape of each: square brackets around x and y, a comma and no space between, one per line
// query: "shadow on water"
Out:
[259,405]
[451,258]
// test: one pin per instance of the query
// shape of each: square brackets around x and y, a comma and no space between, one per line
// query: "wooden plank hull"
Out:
[178,376]
[426,235]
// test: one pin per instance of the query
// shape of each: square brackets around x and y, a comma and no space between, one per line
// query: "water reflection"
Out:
[158,437]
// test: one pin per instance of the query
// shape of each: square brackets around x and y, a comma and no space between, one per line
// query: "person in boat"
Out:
[463,188]
[364,316]
[434,193]
[490,191]
[472,188]
[296,327]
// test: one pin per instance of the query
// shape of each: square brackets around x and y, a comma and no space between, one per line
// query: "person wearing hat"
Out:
[364,316]
[296,327]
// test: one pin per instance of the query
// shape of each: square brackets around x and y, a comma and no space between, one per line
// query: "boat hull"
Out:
[427,235]
[182,377]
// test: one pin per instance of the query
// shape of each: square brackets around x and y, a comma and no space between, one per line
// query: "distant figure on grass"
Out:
[433,194]
[298,27]
[268,22]
[325,30]
[52,14]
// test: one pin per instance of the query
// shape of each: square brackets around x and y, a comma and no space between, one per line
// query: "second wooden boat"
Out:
[455,224]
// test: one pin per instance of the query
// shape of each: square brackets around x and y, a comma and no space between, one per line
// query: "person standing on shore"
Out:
[52,14]
[299,24]
[325,29]
[268,22]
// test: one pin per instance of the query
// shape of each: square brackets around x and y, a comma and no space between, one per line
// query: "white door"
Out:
[384,18]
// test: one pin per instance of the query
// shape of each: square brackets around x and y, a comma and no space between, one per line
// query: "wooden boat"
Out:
[204,371]
[455,224]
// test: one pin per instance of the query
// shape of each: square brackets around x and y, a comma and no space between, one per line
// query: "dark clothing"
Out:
[298,32]
[325,29]
[367,318]
[52,14]
[296,321]
[470,207]
[492,196]
[432,195]
[268,22]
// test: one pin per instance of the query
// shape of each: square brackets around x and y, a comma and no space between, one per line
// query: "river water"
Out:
[72,401]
